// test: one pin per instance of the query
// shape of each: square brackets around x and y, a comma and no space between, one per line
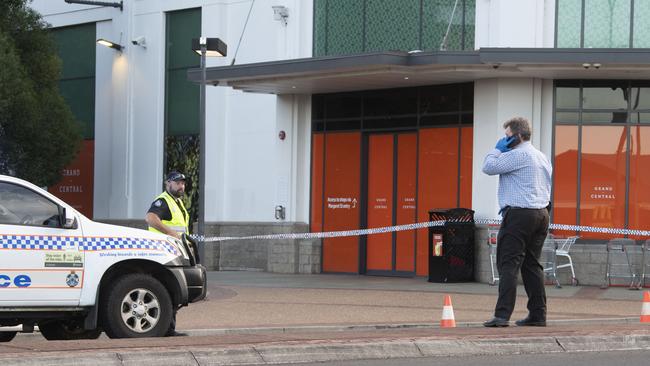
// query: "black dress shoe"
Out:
[496,322]
[531,322]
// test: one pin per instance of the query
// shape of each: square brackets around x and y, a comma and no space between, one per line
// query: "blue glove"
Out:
[502,145]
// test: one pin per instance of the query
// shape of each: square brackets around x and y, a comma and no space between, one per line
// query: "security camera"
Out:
[281,13]
[139,41]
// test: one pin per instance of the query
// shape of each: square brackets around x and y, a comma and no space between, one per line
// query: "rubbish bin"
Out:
[451,247]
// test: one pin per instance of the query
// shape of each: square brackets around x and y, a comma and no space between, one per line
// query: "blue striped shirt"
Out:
[524,176]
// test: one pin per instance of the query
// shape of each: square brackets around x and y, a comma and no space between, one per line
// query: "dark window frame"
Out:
[628,124]
[320,124]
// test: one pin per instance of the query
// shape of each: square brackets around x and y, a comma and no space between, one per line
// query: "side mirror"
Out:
[68,220]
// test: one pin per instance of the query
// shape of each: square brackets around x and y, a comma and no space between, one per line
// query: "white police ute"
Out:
[74,278]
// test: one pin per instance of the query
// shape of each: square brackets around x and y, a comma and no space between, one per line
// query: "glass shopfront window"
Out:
[599,155]
[602,24]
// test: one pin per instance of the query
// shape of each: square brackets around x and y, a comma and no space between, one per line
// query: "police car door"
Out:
[40,261]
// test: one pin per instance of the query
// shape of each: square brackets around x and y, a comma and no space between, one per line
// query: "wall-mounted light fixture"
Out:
[110,44]
[214,47]
[97,3]
[281,13]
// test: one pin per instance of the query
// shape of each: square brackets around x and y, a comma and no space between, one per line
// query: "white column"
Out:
[112,120]
[293,156]
[147,114]
[496,101]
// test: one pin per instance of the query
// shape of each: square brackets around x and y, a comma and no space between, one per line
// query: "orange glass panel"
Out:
[639,197]
[380,201]
[466,151]
[406,190]
[437,181]
[565,177]
[76,185]
[317,182]
[342,180]
[602,183]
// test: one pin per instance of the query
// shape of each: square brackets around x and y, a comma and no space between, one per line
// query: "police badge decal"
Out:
[72,279]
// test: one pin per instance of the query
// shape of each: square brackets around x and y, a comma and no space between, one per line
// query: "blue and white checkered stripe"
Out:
[49,242]
[101,243]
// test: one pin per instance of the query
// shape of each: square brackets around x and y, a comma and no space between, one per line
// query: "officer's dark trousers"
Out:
[519,246]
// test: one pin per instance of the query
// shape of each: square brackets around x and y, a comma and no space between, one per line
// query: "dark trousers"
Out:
[519,247]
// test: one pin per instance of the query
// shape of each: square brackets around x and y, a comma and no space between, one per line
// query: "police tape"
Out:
[414,226]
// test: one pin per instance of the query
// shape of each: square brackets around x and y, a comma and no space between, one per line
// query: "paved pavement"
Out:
[258,318]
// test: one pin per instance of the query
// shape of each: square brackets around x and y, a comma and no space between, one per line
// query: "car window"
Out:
[22,206]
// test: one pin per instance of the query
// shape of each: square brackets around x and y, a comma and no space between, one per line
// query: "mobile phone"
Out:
[514,141]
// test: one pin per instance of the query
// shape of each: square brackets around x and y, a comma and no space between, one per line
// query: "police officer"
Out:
[168,215]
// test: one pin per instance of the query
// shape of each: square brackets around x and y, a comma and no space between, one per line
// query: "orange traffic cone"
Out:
[448,320]
[645,308]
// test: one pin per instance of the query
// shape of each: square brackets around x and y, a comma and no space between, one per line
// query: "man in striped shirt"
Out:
[524,197]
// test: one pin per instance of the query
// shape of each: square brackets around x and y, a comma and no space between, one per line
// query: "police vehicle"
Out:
[74,278]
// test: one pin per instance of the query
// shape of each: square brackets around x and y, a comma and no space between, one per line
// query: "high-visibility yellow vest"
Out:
[180,218]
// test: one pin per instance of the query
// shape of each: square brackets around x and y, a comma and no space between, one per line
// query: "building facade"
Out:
[336,115]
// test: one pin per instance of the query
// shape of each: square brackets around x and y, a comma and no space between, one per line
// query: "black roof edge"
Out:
[488,56]
[565,55]
[299,65]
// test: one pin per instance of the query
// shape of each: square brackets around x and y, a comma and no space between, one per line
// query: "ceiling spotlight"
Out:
[110,44]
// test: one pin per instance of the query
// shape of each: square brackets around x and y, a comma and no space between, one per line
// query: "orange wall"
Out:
[76,185]
[406,203]
[336,156]
[602,178]
[565,177]
[341,200]
[437,181]
[380,201]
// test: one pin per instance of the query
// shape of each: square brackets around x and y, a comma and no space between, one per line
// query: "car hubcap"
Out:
[140,310]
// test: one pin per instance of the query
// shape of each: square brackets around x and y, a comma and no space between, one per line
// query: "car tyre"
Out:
[64,330]
[7,336]
[136,306]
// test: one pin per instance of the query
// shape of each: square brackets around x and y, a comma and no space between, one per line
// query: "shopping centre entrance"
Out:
[385,158]
[391,195]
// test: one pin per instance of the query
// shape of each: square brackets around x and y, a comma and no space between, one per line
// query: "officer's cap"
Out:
[175,176]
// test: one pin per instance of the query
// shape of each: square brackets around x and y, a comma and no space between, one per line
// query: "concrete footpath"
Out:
[264,318]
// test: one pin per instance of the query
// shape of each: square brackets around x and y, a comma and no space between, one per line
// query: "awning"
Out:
[400,69]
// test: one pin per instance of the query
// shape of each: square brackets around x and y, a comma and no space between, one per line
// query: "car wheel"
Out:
[137,305]
[61,330]
[7,336]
